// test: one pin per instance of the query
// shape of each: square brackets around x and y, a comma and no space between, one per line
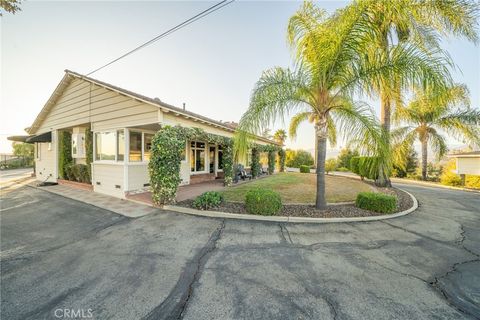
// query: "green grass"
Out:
[300,188]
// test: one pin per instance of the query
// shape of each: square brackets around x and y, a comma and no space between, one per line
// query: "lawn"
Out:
[300,188]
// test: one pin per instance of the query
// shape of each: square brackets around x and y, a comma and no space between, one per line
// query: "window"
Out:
[197,156]
[147,146]
[220,158]
[120,145]
[135,154]
[105,146]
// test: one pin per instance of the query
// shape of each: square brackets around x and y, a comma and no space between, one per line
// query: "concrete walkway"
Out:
[124,207]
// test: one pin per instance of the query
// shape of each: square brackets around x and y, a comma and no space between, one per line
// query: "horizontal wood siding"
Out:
[137,177]
[82,102]
[45,166]
[109,176]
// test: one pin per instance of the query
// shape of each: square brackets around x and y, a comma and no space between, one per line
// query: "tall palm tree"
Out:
[331,66]
[280,136]
[419,23]
[431,112]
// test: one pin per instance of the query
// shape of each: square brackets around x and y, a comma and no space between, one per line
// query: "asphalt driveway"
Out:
[59,254]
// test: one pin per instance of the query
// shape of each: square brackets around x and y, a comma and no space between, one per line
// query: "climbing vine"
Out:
[168,144]
[271,161]
[89,151]
[64,153]
[282,156]
[255,165]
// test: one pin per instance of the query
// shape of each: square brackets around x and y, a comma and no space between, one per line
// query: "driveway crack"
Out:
[174,306]
[284,231]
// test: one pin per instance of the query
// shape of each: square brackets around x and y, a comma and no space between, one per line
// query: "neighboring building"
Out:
[467,162]
[123,124]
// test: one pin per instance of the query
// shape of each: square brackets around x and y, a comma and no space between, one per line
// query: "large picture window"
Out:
[147,146]
[135,154]
[105,146]
[197,156]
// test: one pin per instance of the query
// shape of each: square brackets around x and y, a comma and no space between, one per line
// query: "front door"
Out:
[211,159]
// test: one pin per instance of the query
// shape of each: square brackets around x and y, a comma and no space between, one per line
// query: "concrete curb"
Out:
[239,216]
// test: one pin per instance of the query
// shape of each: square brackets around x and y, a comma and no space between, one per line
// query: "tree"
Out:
[343,159]
[330,165]
[432,111]
[280,136]
[418,25]
[11,6]
[23,150]
[330,67]
[406,164]
[297,158]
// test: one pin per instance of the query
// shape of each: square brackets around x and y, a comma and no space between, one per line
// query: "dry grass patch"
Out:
[301,188]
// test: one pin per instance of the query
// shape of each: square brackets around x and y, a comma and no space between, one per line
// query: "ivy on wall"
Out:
[271,161]
[89,151]
[282,156]
[64,153]
[168,144]
[255,165]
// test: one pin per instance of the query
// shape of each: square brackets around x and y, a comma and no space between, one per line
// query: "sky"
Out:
[211,65]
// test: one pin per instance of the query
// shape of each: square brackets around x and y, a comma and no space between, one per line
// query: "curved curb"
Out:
[240,216]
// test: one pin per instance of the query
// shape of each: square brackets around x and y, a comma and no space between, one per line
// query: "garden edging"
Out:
[225,215]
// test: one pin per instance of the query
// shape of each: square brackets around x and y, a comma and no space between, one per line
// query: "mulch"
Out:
[404,202]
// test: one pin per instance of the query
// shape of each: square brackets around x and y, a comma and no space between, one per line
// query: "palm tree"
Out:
[280,136]
[432,112]
[417,23]
[330,68]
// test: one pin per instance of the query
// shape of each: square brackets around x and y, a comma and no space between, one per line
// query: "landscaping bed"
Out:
[404,202]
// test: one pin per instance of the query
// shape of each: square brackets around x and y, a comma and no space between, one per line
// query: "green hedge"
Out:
[264,202]
[255,165]
[305,169]
[207,200]
[77,172]
[377,202]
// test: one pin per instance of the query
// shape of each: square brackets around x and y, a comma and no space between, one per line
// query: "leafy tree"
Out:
[331,66]
[280,136]
[402,166]
[24,151]
[297,158]
[343,159]
[330,165]
[432,111]
[11,6]
[413,25]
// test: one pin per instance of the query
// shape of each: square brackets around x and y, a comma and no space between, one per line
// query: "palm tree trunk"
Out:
[424,159]
[321,148]
[383,179]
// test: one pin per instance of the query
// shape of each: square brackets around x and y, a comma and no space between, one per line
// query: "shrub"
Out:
[83,173]
[64,153]
[330,165]
[271,161]
[354,165]
[343,169]
[263,202]
[282,156]
[345,156]
[305,169]
[207,200]
[448,177]
[69,175]
[377,202]
[297,158]
[365,167]
[255,165]
[472,181]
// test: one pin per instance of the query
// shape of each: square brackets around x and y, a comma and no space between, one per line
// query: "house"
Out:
[123,124]
[467,163]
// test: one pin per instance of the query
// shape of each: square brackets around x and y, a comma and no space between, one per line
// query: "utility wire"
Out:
[185,23]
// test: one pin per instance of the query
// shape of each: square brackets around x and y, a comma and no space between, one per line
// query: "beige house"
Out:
[467,162]
[123,124]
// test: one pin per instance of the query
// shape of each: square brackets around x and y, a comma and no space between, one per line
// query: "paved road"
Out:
[60,254]
[14,174]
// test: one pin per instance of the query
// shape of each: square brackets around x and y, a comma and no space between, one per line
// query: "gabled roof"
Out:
[165,107]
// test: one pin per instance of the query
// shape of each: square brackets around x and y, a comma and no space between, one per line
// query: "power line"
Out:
[185,23]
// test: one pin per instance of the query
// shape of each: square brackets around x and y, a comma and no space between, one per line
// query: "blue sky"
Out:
[210,65]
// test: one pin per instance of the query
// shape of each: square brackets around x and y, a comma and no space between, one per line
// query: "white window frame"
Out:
[205,149]
[116,161]
[142,162]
